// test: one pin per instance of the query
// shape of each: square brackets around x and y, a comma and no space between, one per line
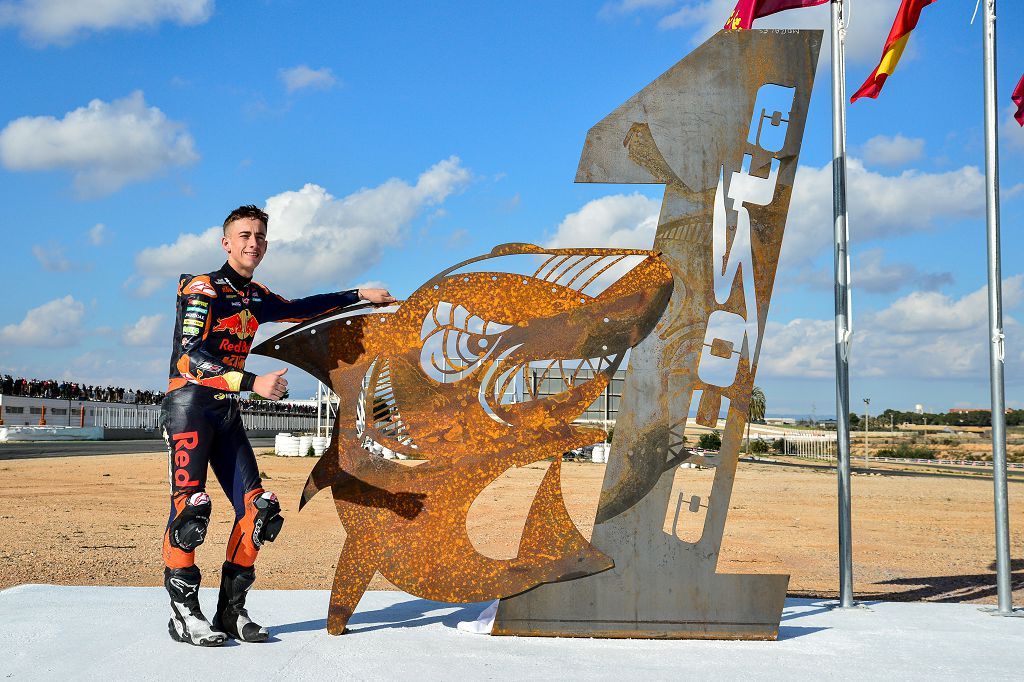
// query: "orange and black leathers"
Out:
[218,314]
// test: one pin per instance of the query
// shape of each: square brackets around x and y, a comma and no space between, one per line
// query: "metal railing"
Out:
[149,419]
[126,417]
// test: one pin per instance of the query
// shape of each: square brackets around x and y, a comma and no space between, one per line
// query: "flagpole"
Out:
[995,319]
[842,303]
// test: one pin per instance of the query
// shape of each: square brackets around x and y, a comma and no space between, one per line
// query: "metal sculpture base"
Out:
[701,604]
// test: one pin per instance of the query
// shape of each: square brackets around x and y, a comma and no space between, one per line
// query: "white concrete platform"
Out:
[49,632]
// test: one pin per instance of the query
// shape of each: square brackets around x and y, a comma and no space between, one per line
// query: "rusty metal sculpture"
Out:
[722,130]
[429,378]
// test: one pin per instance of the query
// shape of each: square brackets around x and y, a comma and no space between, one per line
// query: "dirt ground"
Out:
[99,521]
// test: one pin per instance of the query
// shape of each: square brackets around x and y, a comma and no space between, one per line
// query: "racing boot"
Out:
[187,623]
[231,617]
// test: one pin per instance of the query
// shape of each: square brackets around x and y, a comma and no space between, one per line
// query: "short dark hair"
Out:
[247,211]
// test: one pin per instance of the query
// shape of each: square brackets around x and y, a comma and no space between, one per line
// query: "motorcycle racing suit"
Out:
[217,316]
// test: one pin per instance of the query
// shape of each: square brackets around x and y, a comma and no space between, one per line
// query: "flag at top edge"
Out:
[747,10]
[1018,99]
[902,25]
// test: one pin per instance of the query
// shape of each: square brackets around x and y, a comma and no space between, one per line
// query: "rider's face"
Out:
[245,243]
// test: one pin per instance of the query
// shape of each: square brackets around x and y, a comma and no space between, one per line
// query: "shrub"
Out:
[907,451]
[759,447]
[710,441]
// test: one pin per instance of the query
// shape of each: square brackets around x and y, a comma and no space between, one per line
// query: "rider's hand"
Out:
[377,296]
[271,386]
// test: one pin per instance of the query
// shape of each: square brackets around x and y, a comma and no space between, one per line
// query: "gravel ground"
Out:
[99,521]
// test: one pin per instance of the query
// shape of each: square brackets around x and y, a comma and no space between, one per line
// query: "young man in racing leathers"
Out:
[218,314]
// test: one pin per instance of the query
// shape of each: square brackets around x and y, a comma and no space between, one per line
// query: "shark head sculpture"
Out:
[441,377]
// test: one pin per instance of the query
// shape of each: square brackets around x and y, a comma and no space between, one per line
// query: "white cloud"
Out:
[105,145]
[62,21]
[880,205]
[316,241]
[930,311]
[148,330]
[617,221]
[924,335]
[52,325]
[146,370]
[52,257]
[301,77]
[871,273]
[1011,131]
[98,234]
[893,151]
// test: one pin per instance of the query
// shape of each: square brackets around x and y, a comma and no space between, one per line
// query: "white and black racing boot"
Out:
[188,624]
[231,617]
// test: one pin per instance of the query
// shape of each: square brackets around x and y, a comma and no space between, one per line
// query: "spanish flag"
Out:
[1018,99]
[905,22]
[748,10]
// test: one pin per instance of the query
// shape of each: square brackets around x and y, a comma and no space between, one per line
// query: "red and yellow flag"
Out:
[748,10]
[905,22]
[1018,99]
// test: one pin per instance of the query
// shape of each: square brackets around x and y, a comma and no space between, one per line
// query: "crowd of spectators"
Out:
[273,407]
[70,390]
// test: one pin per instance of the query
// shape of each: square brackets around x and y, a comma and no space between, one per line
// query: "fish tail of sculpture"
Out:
[350,582]
[308,492]
[551,534]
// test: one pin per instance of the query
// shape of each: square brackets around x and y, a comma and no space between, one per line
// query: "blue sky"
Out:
[391,140]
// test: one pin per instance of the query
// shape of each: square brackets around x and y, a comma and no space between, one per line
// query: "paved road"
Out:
[28,450]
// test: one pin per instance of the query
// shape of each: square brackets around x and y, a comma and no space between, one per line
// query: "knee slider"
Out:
[268,521]
[188,530]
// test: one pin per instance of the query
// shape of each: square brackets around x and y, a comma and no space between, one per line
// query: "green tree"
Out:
[755,412]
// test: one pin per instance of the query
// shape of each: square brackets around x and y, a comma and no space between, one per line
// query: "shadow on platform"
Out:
[407,614]
[951,588]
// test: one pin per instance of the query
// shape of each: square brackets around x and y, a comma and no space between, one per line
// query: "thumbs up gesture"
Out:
[272,385]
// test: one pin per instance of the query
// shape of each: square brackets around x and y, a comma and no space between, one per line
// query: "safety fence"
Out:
[265,421]
[127,417]
[811,446]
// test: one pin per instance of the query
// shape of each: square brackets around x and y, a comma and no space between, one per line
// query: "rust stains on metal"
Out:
[435,378]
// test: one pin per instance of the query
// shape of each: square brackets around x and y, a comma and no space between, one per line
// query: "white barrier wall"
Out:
[21,411]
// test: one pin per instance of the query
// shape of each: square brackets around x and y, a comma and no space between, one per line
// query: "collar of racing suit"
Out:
[238,281]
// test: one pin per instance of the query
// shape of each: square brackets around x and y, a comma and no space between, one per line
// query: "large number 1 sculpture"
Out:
[722,131]
[430,378]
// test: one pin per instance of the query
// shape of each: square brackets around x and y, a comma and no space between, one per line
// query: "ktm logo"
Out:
[242,324]
[199,286]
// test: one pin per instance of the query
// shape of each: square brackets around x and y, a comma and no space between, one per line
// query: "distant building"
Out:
[968,410]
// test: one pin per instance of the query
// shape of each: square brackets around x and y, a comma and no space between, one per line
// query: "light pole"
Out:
[867,401]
